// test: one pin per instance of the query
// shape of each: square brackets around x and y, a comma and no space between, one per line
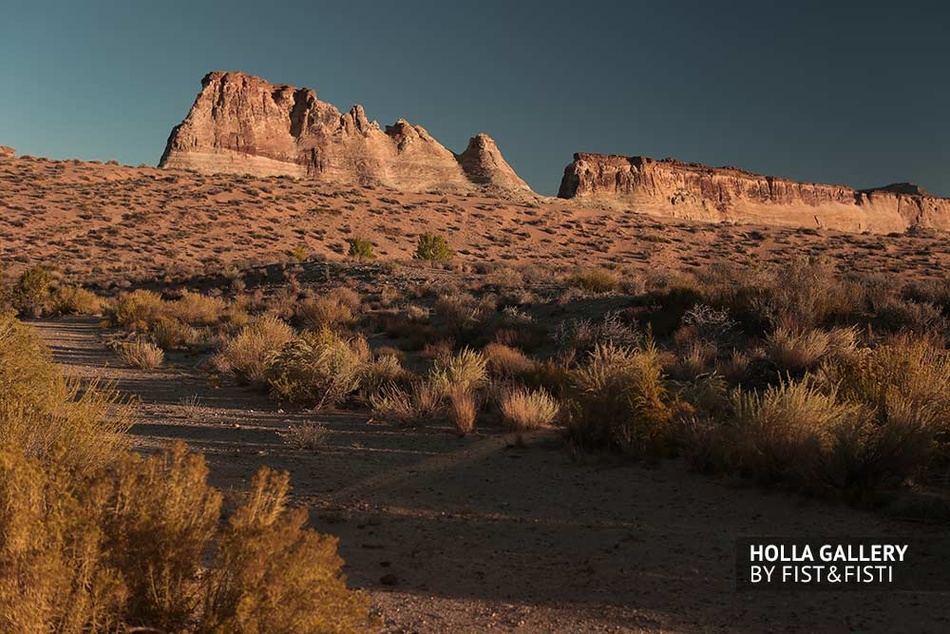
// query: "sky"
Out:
[803,90]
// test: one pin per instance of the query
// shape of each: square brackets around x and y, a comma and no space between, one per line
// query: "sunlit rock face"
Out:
[693,191]
[245,125]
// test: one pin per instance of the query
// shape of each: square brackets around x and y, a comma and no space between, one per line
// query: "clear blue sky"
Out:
[859,96]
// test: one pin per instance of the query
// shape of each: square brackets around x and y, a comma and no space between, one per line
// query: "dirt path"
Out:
[453,534]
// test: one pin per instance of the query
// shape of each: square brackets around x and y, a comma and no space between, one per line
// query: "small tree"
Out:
[361,248]
[434,248]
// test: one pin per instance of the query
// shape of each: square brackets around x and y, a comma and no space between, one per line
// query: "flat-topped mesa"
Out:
[694,191]
[243,124]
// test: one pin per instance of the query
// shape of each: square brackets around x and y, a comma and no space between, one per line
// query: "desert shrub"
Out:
[798,351]
[138,310]
[274,575]
[162,518]
[73,300]
[54,575]
[170,333]
[552,376]
[45,416]
[310,436]
[420,403]
[31,292]
[433,247]
[196,309]
[523,409]
[317,369]
[806,293]
[462,408]
[361,248]
[380,373]
[894,314]
[696,359]
[785,433]
[463,314]
[583,335]
[299,253]
[330,311]
[906,384]
[468,370]
[620,400]
[245,356]
[594,280]
[140,354]
[506,362]
[140,547]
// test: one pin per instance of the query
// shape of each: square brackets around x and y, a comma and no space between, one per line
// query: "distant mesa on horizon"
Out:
[693,191]
[243,124]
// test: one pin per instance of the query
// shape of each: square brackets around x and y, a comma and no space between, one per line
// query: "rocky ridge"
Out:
[245,125]
[698,192]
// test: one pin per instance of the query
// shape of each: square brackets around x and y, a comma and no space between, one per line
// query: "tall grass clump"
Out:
[418,404]
[621,401]
[245,356]
[468,369]
[462,408]
[143,355]
[785,433]
[524,410]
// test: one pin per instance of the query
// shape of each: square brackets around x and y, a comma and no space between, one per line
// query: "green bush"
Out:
[361,248]
[433,248]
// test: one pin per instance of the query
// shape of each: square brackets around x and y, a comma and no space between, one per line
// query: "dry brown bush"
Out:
[245,356]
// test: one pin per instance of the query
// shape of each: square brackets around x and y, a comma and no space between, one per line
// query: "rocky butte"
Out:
[245,125]
[697,192]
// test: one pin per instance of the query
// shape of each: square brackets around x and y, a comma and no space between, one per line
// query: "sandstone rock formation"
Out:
[6,150]
[484,165]
[243,124]
[693,191]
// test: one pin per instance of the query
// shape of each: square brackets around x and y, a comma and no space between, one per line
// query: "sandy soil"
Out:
[451,534]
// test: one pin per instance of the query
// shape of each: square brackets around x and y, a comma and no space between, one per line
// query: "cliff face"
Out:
[693,191]
[243,124]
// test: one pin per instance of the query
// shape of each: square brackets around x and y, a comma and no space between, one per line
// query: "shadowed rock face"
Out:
[698,192]
[243,124]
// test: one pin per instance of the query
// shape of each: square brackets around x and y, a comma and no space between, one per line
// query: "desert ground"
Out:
[475,534]
[448,532]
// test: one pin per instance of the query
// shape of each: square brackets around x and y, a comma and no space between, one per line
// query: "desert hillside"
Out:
[112,224]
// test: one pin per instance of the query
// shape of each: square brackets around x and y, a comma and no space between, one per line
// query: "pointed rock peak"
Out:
[483,164]
[358,116]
